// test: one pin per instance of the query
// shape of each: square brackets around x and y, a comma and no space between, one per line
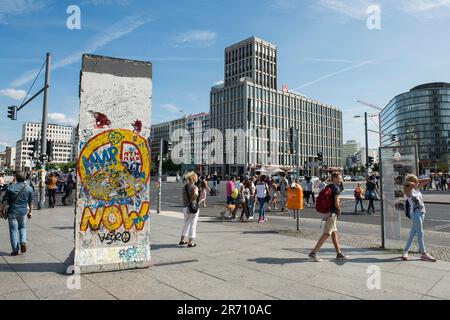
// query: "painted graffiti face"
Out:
[114,164]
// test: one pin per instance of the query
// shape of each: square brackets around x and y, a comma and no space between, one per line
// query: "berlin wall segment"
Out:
[112,214]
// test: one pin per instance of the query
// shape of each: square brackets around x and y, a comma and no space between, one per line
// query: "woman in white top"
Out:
[262,190]
[415,208]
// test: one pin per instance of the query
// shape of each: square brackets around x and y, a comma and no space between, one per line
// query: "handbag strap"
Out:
[18,195]
[187,193]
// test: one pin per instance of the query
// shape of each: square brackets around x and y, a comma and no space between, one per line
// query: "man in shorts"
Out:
[331,222]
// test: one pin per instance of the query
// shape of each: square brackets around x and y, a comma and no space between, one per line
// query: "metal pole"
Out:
[160,175]
[298,220]
[298,154]
[383,233]
[367,143]
[44,132]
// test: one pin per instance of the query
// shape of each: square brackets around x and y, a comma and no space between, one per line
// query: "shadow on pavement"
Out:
[55,267]
[368,260]
[155,247]
[271,260]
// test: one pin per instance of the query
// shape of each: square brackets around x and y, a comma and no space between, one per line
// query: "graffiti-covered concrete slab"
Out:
[112,218]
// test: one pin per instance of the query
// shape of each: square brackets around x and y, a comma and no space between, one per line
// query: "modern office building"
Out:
[250,100]
[421,117]
[196,125]
[350,149]
[63,138]
[10,158]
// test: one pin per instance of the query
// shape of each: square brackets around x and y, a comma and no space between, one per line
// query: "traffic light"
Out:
[50,146]
[394,138]
[320,156]
[371,161]
[34,149]
[167,147]
[12,112]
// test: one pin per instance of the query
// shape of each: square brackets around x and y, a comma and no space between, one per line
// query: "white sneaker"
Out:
[251,218]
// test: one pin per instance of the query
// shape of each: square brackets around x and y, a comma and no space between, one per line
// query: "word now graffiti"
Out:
[113,217]
[113,237]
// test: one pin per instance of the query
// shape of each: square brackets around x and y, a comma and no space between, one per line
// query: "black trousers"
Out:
[51,197]
[69,189]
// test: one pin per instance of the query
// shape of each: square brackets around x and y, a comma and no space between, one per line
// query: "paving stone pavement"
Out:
[231,262]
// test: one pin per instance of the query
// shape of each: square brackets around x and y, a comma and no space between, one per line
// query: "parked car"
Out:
[347,178]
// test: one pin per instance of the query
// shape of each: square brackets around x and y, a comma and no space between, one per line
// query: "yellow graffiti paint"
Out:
[114,217]
[114,164]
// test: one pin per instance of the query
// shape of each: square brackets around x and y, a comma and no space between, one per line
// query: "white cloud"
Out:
[356,9]
[427,9]
[172,108]
[113,32]
[359,65]
[13,93]
[19,7]
[61,118]
[412,6]
[202,38]
[218,83]
[108,2]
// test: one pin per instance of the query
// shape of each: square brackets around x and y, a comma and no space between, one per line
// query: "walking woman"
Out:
[273,190]
[246,197]
[52,181]
[190,196]
[262,193]
[19,197]
[415,208]
[371,194]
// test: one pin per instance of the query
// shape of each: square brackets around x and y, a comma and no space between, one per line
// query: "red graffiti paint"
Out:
[101,120]
[137,125]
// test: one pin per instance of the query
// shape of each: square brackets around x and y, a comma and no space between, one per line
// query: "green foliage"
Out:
[64,167]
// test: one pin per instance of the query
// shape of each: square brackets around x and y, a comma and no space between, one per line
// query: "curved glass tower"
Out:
[421,116]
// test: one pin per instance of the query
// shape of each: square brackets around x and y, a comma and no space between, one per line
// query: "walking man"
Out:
[69,187]
[19,197]
[331,221]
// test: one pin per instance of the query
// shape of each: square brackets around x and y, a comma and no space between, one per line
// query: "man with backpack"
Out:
[328,203]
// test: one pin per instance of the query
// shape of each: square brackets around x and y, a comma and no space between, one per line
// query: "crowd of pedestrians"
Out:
[246,192]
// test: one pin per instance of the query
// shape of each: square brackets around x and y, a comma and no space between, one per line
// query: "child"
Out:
[204,190]
[415,209]
[358,198]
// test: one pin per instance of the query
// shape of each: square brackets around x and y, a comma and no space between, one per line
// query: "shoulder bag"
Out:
[193,206]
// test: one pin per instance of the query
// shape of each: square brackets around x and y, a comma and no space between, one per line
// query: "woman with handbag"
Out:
[17,206]
[262,193]
[191,210]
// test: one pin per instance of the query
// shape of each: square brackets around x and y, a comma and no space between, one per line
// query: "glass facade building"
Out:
[421,117]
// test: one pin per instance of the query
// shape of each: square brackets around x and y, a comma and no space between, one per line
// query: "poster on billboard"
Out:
[396,163]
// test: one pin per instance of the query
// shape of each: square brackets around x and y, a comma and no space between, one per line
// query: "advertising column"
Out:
[396,164]
[112,218]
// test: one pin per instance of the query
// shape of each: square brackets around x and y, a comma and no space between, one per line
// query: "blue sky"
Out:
[326,50]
